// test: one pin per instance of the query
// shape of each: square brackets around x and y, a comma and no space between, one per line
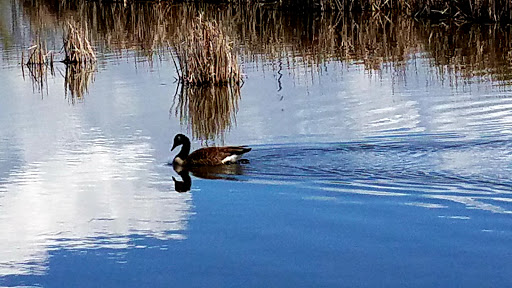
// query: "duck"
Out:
[209,156]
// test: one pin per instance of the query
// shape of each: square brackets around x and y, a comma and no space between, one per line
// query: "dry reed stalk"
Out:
[206,55]
[39,55]
[77,47]
[461,10]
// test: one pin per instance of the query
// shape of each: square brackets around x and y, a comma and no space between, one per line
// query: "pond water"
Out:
[379,159]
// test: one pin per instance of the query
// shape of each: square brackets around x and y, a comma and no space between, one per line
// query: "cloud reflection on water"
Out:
[94,194]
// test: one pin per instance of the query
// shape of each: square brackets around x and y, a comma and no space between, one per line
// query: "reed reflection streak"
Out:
[209,111]
[77,79]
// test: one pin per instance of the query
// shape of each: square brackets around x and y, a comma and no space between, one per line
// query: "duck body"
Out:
[210,156]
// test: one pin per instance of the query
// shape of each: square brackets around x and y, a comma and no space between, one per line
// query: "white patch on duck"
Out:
[179,161]
[231,159]
[178,168]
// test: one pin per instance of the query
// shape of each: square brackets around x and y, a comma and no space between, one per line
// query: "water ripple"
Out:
[475,173]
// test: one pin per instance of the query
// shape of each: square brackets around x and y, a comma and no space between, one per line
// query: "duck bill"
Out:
[174,146]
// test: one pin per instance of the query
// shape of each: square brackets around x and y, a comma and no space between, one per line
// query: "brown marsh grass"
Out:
[468,11]
[39,55]
[297,43]
[262,35]
[205,55]
[77,48]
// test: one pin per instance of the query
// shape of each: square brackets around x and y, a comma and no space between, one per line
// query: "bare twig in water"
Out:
[38,62]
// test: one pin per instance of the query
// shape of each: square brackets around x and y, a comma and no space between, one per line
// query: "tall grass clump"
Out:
[205,55]
[80,61]
[77,48]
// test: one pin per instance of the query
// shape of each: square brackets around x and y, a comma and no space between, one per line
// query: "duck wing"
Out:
[212,156]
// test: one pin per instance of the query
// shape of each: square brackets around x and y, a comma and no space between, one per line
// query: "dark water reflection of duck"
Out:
[222,172]
[185,184]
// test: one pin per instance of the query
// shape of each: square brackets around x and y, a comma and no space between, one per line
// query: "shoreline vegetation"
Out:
[258,37]
[460,11]
[463,11]
[276,40]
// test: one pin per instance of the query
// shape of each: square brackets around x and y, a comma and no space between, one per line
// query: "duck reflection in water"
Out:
[207,163]
[225,172]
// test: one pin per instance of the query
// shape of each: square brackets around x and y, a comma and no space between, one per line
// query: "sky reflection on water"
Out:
[357,178]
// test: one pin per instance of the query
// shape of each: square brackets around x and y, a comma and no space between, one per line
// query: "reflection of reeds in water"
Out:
[208,110]
[487,58]
[370,40]
[77,79]
[205,55]
[139,26]
[38,63]
[38,74]
[79,62]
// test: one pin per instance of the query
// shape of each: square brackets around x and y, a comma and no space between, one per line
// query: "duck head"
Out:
[180,139]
